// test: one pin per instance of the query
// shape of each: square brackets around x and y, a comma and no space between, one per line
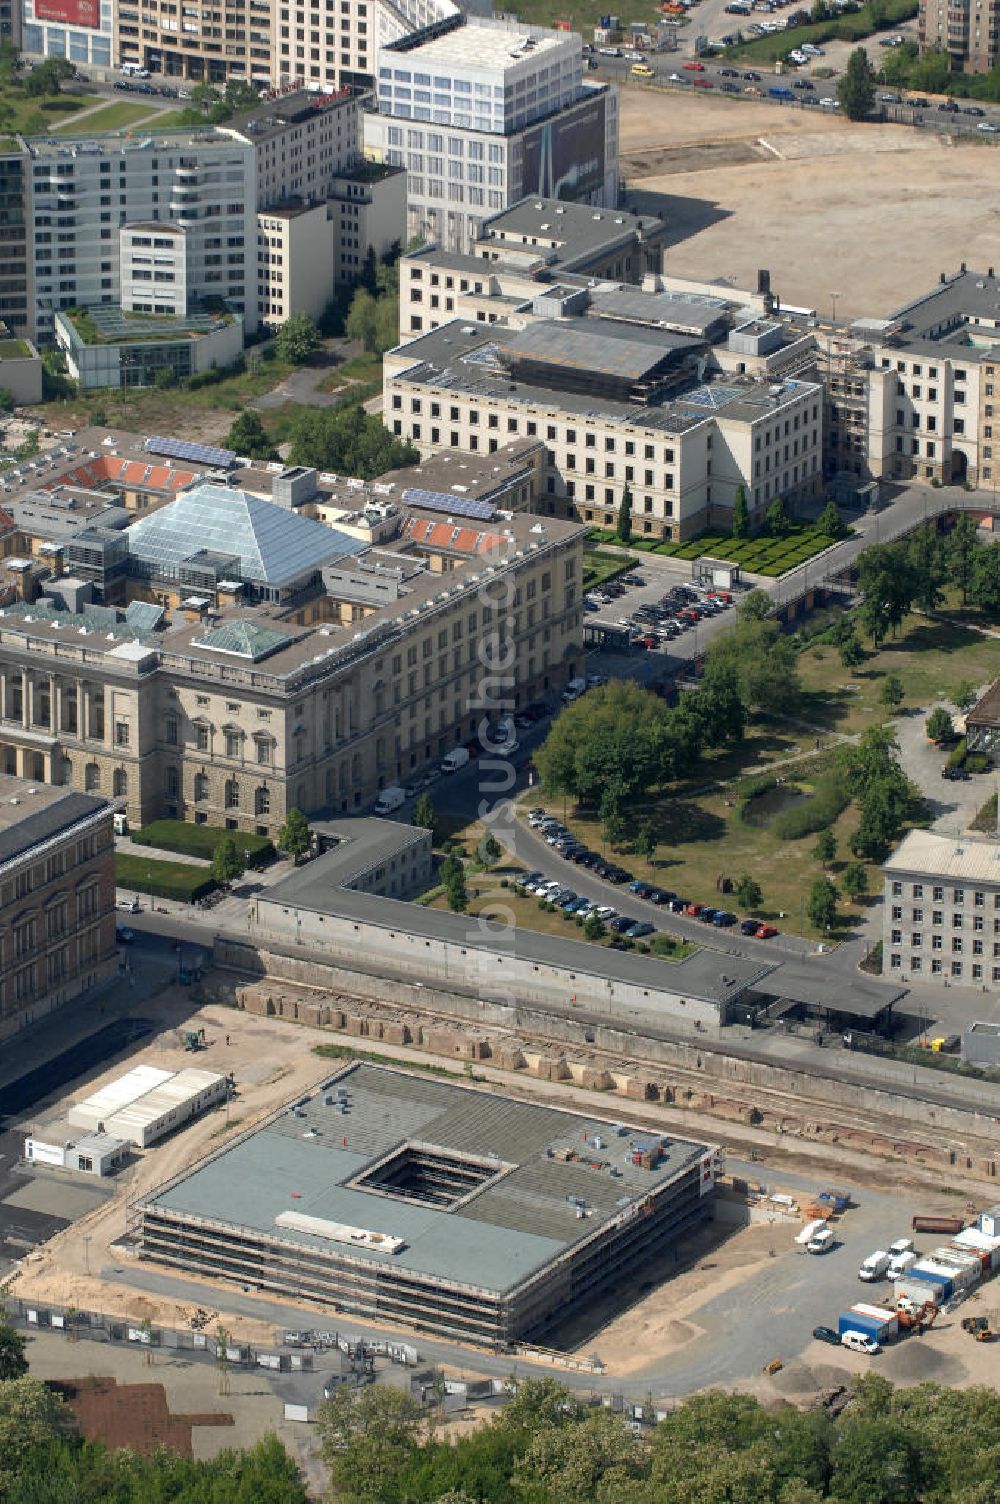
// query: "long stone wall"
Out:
[630,1063]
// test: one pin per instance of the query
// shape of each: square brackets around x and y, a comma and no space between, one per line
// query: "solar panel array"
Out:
[180,449]
[452,506]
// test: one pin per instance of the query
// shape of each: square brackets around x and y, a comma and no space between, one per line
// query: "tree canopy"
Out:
[856,89]
[347,441]
[298,339]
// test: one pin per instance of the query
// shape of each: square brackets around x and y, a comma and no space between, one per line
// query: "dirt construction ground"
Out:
[872,213]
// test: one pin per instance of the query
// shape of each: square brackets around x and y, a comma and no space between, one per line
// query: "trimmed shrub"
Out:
[201,840]
[178,880]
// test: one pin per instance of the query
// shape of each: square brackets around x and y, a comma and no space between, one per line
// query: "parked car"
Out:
[707,915]
[749,926]
[693,909]
[622,923]
[640,928]
[722,918]
[766,932]
[693,67]
[639,888]
[826,1334]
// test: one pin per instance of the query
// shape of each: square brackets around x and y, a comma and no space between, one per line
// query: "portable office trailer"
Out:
[118,1094]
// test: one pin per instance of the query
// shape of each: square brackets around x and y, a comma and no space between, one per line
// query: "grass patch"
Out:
[347,1052]
[114,117]
[14,349]
[201,840]
[599,566]
[850,27]
[986,819]
[364,368]
[177,880]
[37,117]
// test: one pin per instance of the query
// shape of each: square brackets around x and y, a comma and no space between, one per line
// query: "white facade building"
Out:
[486,113]
[84,193]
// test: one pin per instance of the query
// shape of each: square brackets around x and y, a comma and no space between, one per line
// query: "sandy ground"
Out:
[715,1261]
[824,204]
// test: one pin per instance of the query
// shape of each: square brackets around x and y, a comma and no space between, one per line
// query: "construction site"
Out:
[444,1208]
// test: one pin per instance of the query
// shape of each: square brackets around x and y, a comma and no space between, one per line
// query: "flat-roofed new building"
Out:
[483,113]
[941,910]
[57,897]
[431,1205]
[616,405]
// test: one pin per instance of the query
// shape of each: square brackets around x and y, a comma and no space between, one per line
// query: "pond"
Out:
[767,806]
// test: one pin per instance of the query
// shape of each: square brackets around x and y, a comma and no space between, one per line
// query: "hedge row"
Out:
[178,880]
[201,840]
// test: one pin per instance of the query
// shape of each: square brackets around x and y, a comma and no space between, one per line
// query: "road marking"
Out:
[768,147]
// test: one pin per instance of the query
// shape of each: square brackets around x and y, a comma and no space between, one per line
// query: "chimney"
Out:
[763,281]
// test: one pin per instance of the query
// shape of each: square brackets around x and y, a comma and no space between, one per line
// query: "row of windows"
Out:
[937,894]
[937,967]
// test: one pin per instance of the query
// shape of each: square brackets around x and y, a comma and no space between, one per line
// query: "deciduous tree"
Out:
[822,904]
[295,836]
[940,726]
[856,89]
[855,880]
[227,861]
[297,340]
[748,892]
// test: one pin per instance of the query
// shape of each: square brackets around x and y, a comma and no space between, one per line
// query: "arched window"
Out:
[262,802]
[232,793]
[92,778]
[200,786]
[120,783]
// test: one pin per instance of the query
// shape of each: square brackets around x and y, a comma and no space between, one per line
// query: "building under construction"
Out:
[446,1209]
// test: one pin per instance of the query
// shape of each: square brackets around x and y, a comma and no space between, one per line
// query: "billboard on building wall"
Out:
[69,12]
[564,156]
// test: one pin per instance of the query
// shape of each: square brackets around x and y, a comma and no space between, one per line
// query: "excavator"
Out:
[913,1318]
[978,1326]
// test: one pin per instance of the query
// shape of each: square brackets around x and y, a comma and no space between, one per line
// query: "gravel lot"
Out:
[827,209]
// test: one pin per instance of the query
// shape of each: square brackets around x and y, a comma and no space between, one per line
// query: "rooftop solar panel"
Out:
[181,449]
[452,506]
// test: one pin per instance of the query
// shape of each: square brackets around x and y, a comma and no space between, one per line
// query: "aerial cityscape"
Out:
[499,752]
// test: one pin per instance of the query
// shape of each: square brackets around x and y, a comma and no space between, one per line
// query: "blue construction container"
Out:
[860,1321]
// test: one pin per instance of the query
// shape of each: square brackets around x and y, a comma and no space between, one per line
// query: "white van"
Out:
[858,1342]
[822,1242]
[134,70]
[574,690]
[389,800]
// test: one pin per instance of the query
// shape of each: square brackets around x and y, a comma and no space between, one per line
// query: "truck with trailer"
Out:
[810,1230]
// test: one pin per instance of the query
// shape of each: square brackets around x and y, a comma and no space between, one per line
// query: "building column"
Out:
[83,710]
[25,699]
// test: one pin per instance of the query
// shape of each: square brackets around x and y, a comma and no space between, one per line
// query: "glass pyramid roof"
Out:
[245,639]
[274,546]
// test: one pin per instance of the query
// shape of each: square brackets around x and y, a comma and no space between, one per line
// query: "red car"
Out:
[693,67]
[703,83]
[694,909]
[766,932]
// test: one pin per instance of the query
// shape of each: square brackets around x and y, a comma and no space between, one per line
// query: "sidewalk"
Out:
[128,847]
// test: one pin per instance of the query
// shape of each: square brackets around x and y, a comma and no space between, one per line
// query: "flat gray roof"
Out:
[363,842]
[598,347]
[303,1159]
[579,231]
[707,976]
[955,319]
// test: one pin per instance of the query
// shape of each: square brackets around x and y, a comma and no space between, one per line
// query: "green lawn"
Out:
[762,555]
[599,566]
[701,833]
[846,28]
[112,118]
[177,880]
[37,117]
[14,349]
[199,840]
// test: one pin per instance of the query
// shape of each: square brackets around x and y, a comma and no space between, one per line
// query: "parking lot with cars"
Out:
[655,610]
[642,902]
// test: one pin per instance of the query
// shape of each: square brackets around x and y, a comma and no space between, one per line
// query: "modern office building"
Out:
[226,655]
[17,309]
[196,41]
[57,895]
[112,346]
[81,30]
[321,207]
[969,33]
[617,404]
[941,910]
[145,223]
[481,115]
[431,1205]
